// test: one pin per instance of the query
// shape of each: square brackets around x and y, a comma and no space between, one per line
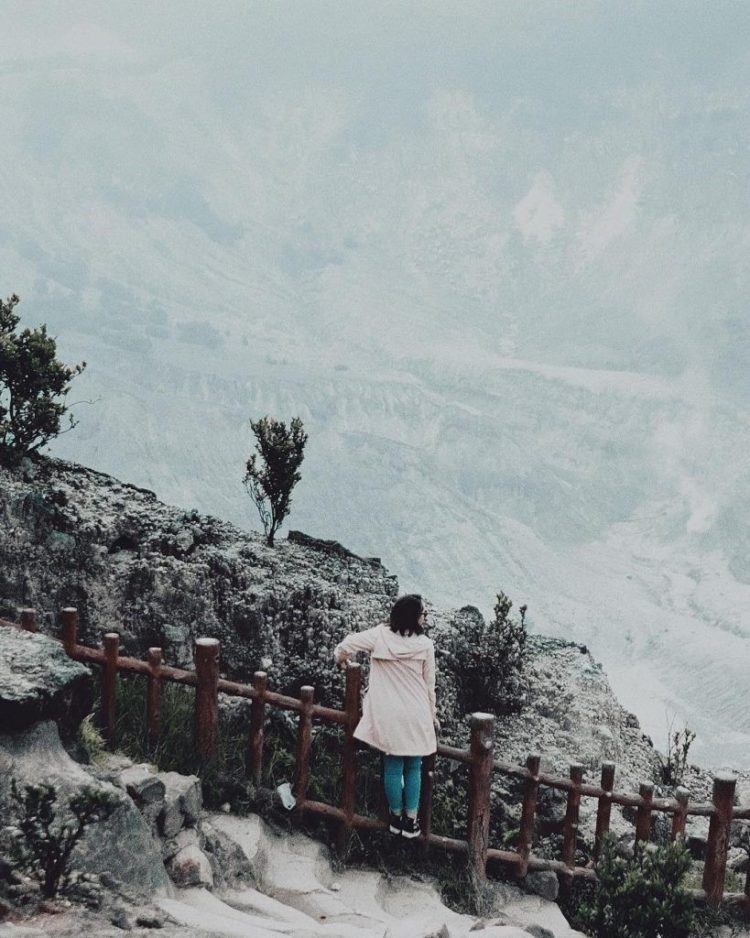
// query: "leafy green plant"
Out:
[33,386]
[488,658]
[273,471]
[45,839]
[643,896]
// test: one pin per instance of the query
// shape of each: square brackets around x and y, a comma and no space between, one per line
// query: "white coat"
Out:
[398,711]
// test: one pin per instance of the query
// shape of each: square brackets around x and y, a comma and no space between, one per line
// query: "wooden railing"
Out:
[479,758]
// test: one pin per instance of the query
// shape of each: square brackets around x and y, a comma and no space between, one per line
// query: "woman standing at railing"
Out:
[398,712]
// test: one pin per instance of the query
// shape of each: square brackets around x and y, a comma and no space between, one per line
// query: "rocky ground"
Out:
[285,885]
[158,575]
[162,863]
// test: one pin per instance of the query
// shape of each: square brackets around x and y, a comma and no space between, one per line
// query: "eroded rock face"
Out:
[161,576]
[38,681]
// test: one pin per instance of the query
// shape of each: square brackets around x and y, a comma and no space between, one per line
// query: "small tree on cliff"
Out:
[273,470]
[33,386]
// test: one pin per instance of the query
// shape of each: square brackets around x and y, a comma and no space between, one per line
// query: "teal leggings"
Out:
[402,779]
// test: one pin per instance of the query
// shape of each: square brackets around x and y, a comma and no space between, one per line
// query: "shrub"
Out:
[33,387]
[488,658]
[639,897]
[45,841]
[675,763]
[273,471]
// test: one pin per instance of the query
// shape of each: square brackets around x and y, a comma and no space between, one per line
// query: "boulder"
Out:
[538,931]
[38,681]
[128,918]
[183,801]
[143,785]
[191,867]
[543,883]
[228,860]
[146,789]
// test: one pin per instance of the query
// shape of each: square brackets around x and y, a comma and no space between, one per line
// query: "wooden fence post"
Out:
[570,824]
[528,812]
[480,781]
[718,838]
[207,697]
[257,721]
[604,807]
[28,620]
[425,798]
[352,705]
[304,739]
[153,699]
[643,813]
[679,818]
[109,685]
[69,619]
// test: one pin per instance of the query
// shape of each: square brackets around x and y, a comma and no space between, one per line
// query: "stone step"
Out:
[297,886]
[204,912]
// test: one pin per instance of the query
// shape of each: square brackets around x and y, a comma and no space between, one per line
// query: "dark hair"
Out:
[405,615]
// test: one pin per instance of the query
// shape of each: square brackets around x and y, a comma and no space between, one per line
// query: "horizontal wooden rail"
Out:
[134,665]
[451,752]
[623,799]
[478,757]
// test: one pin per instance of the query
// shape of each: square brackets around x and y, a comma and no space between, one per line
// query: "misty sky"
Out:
[334,127]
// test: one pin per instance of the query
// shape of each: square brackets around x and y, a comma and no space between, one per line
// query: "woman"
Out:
[398,712]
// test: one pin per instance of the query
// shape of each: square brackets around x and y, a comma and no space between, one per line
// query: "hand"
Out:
[342,662]
[436,724]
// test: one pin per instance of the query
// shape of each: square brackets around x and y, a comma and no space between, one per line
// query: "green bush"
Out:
[44,838]
[487,659]
[33,386]
[639,897]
